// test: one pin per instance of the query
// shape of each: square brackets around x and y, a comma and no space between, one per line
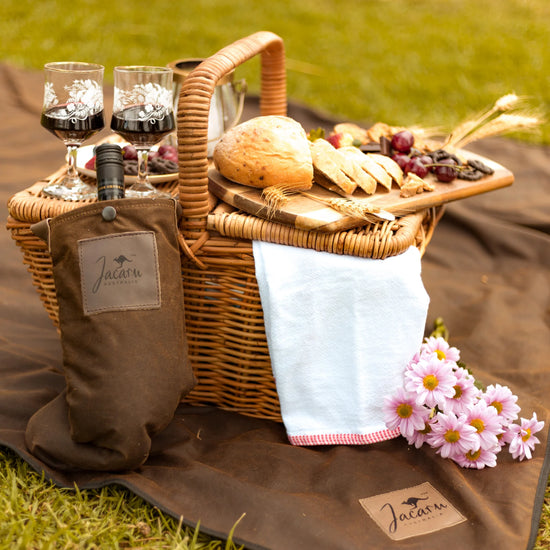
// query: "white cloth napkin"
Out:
[340,331]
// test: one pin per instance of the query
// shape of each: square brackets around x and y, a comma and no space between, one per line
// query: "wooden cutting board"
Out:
[307,213]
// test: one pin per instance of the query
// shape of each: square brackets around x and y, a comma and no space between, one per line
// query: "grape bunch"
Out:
[421,164]
[162,161]
[445,166]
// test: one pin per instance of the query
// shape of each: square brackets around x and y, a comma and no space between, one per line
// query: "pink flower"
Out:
[441,405]
[522,438]
[486,421]
[431,381]
[466,393]
[452,435]
[402,411]
[478,459]
[441,348]
[504,401]
[419,437]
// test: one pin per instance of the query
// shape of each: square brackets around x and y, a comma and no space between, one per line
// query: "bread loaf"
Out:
[266,151]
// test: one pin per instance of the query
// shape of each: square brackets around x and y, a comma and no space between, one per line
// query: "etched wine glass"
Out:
[73,112]
[143,115]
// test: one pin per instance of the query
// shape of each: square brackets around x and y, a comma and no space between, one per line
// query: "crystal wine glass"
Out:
[73,112]
[143,115]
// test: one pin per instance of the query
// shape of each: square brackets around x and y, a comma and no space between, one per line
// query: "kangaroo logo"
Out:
[120,260]
[411,512]
[120,271]
[413,501]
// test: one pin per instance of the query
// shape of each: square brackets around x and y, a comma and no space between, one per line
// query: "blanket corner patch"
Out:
[411,512]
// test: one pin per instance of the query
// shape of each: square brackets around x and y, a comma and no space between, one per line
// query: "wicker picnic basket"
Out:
[224,318]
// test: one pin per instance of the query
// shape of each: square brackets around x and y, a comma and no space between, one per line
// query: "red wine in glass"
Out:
[72,130]
[73,112]
[136,126]
[143,115]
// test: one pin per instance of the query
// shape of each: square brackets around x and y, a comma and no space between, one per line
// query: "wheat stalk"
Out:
[353,208]
[495,121]
[502,124]
[502,104]
[275,197]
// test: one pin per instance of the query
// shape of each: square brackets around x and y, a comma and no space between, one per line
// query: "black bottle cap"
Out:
[109,171]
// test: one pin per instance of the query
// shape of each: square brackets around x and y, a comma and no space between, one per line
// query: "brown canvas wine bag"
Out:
[117,271]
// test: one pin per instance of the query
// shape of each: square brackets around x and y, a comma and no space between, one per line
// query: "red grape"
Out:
[165,150]
[401,159]
[129,152]
[446,170]
[425,159]
[416,166]
[402,141]
[170,156]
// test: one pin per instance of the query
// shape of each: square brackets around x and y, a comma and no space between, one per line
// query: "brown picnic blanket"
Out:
[487,271]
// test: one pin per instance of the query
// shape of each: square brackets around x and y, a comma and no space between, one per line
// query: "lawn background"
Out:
[423,62]
[428,62]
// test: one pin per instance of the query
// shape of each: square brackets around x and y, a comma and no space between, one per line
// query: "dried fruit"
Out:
[161,165]
[469,174]
[478,165]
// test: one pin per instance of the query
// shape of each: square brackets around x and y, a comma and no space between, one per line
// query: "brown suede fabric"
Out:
[126,369]
[487,271]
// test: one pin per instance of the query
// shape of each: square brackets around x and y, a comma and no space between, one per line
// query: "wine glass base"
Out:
[74,192]
[143,193]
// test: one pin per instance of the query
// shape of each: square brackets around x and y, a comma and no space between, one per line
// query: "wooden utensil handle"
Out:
[193,109]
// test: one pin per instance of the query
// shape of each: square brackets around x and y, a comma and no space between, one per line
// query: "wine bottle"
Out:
[110,172]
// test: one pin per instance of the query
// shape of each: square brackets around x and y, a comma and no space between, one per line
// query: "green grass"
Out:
[35,514]
[427,62]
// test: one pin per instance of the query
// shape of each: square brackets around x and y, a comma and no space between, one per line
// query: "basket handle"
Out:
[192,117]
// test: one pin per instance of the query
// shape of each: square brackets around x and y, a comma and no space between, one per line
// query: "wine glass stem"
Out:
[72,173]
[143,157]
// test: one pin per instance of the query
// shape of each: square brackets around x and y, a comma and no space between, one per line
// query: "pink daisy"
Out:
[504,401]
[441,348]
[452,435]
[401,411]
[466,393]
[522,438]
[419,437]
[486,421]
[414,361]
[431,381]
[478,459]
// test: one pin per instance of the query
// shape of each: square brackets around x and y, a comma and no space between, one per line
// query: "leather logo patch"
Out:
[411,512]
[119,272]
